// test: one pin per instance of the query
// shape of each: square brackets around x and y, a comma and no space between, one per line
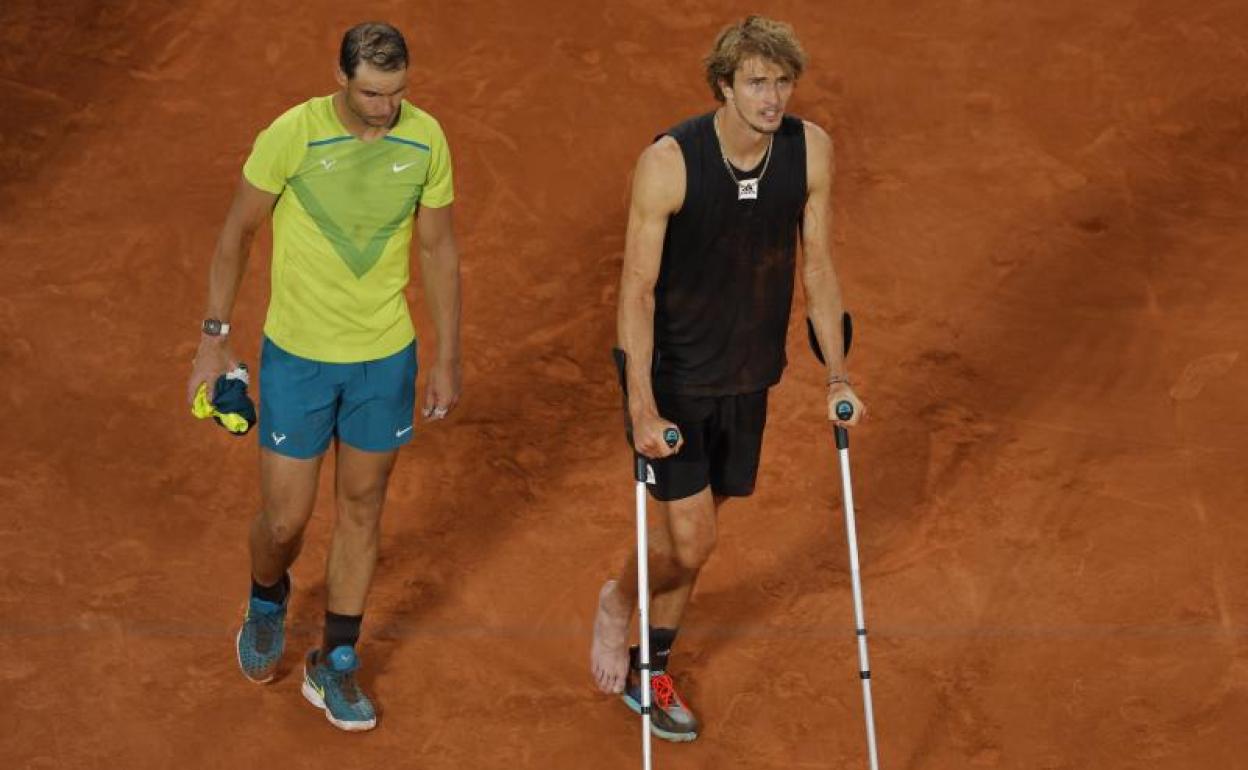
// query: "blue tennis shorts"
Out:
[368,405]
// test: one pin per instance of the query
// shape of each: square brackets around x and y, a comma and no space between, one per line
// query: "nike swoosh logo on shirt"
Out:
[396,168]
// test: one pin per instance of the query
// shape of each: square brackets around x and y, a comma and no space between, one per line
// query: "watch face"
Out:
[212,327]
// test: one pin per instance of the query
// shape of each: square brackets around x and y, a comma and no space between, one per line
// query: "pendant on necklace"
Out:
[747,189]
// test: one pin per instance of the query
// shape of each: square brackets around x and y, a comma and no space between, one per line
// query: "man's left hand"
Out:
[843,391]
[441,391]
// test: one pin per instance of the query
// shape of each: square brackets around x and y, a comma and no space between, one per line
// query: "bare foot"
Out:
[609,653]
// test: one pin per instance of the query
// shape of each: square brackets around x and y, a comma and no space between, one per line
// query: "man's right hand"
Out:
[212,360]
[648,430]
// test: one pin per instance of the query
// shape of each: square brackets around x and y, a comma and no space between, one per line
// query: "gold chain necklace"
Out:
[747,189]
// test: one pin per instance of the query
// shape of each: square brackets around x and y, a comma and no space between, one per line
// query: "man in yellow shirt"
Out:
[344,177]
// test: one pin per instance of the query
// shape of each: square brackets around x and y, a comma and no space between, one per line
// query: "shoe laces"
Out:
[267,628]
[347,685]
[664,690]
[350,689]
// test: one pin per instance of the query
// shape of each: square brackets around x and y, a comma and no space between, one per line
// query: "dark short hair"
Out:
[375,42]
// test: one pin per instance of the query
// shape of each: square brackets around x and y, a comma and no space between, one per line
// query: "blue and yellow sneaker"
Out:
[329,684]
[262,639]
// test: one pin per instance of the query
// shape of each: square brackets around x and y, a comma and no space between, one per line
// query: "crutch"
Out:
[642,474]
[844,411]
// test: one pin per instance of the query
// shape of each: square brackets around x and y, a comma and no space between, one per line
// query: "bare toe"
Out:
[609,651]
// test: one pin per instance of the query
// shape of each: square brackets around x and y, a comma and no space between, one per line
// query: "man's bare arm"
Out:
[658,193]
[823,291]
[439,266]
[248,211]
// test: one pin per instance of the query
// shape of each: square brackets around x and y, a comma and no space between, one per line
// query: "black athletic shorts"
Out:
[723,439]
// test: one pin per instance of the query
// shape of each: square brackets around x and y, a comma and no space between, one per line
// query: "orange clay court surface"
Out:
[1040,214]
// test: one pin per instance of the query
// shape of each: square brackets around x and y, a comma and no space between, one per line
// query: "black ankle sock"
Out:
[660,647]
[661,640]
[275,593]
[340,630]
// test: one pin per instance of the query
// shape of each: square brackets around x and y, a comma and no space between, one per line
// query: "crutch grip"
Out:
[641,468]
[844,411]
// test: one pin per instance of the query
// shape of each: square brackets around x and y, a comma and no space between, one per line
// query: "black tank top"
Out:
[725,285]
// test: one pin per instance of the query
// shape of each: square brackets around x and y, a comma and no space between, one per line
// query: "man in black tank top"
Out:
[719,203]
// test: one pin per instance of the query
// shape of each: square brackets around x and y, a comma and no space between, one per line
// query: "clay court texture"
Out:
[1040,231]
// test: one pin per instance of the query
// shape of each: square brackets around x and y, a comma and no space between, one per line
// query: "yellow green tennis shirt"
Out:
[342,228]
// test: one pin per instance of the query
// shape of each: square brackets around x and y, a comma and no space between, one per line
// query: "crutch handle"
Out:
[844,411]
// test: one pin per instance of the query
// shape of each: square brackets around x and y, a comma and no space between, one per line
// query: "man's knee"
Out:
[361,479]
[360,502]
[283,531]
[287,495]
[693,531]
[692,550]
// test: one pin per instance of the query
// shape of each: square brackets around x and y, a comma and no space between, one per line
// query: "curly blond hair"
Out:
[753,36]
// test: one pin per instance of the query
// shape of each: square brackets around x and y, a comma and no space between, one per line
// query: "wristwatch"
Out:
[215,327]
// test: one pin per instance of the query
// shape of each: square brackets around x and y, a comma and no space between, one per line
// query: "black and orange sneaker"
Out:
[670,717]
